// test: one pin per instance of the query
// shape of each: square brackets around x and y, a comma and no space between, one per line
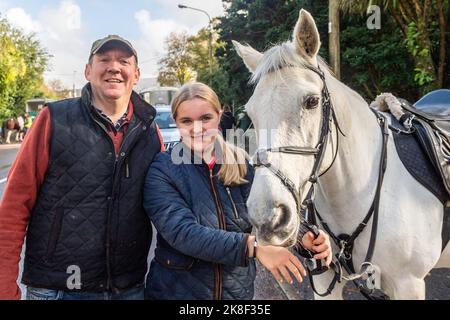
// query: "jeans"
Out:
[136,293]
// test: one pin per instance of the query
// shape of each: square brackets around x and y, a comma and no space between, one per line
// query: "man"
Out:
[12,127]
[27,122]
[80,172]
[21,123]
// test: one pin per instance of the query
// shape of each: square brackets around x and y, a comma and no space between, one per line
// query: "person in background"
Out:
[28,121]
[227,121]
[21,122]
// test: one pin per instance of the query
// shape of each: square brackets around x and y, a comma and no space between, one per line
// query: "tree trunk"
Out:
[424,60]
[442,44]
[334,44]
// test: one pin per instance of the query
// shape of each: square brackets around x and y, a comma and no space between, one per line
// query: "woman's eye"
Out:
[186,121]
[311,102]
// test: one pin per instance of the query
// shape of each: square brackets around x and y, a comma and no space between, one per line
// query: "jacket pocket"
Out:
[175,261]
[240,213]
[55,232]
[233,205]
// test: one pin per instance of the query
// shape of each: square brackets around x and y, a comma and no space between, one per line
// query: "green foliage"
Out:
[22,64]
[418,21]
[260,23]
[375,61]
[423,75]
[199,51]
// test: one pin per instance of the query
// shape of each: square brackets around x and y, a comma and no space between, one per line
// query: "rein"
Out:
[307,212]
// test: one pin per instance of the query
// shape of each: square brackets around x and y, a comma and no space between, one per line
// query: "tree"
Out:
[12,67]
[175,66]
[22,63]
[424,25]
[198,49]
[54,89]
[375,61]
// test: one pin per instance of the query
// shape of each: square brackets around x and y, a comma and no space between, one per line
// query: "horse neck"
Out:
[346,190]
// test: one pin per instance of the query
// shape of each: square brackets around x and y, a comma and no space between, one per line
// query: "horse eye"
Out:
[311,102]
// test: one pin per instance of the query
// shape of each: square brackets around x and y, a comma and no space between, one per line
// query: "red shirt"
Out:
[24,180]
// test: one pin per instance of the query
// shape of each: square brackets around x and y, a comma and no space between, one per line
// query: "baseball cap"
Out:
[111,39]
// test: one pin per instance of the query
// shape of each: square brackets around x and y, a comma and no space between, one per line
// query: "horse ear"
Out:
[250,56]
[306,37]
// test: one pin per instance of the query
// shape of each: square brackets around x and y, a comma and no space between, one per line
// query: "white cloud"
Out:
[4,5]
[60,28]
[63,35]
[72,13]
[60,31]
[150,46]
[21,20]
[62,21]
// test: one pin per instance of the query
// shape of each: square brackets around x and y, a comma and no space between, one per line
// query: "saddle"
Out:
[424,148]
[430,119]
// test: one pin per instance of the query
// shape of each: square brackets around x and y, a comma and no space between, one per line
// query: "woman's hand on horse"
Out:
[321,246]
[280,262]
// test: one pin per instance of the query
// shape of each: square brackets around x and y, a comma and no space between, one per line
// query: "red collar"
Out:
[212,162]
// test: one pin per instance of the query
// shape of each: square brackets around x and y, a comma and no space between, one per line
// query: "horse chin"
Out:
[290,242]
[274,240]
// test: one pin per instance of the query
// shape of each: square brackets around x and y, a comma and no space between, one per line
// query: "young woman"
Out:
[195,195]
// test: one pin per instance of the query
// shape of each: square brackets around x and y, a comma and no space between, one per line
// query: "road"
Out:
[7,156]
[266,288]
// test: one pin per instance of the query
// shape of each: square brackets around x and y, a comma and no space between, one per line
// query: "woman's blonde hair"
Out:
[232,158]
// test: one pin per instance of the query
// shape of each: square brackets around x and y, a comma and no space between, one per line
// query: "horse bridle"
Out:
[306,210]
[260,159]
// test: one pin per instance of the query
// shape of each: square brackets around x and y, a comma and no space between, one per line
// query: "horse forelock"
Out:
[279,57]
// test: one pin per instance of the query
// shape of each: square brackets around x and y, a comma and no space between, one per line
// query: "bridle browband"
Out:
[306,210]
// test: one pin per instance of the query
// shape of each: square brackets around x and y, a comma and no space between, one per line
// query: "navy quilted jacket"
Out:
[203,226]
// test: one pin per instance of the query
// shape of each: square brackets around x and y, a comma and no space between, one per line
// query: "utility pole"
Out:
[73,89]
[334,43]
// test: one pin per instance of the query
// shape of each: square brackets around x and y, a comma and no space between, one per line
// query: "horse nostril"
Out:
[281,217]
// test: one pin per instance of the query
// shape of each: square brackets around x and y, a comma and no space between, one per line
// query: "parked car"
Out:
[167,126]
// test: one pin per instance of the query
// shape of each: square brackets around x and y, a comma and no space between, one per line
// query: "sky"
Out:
[67,28]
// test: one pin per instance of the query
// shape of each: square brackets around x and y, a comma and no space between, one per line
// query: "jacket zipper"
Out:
[109,285]
[236,215]
[222,225]
[108,214]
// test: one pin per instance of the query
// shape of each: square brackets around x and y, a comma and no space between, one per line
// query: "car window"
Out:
[164,120]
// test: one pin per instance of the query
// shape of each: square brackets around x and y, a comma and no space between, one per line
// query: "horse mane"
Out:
[282,56]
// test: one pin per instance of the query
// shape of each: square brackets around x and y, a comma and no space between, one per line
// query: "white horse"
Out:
[286,102]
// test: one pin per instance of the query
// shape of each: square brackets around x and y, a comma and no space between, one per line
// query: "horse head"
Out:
[286,111]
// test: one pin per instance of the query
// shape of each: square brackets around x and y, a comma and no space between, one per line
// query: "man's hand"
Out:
[320,246]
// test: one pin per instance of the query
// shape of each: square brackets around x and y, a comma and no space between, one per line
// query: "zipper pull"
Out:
[127,169]
[210,173]
[236,214]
